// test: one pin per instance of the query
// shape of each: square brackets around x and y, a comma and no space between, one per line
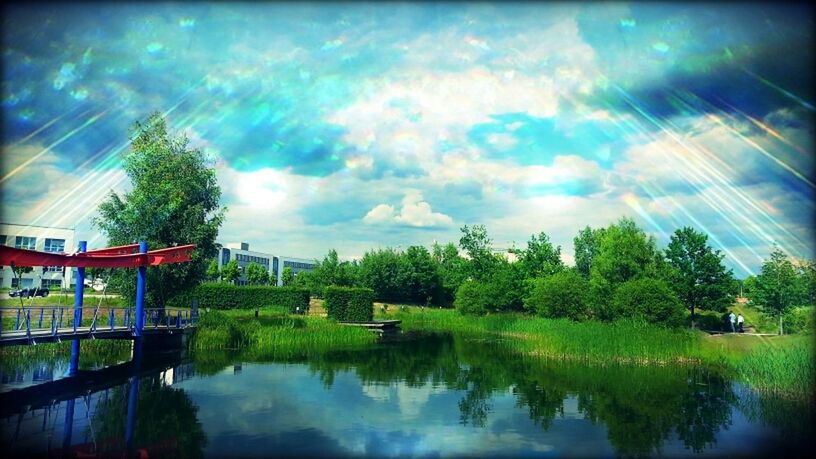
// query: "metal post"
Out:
[79,292]
[141,281]
[68,427]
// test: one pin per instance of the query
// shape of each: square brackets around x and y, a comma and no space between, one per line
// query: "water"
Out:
[425,396]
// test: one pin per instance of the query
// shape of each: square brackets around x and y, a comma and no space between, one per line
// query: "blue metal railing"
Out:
[56,319]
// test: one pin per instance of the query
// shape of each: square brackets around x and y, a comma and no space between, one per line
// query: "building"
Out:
[243,256]
[43,239]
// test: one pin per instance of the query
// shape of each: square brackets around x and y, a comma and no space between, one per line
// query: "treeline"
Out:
[619,272]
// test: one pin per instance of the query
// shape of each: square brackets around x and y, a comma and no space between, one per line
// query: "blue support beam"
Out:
[141,283]
[79,293]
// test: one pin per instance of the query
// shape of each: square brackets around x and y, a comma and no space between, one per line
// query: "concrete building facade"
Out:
[273,264]
[42,239]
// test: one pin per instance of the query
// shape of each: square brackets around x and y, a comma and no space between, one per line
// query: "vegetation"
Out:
[174,200]
[779,287]
[700,279]
[227,296]
[349,304]
[649,300]
[564,294]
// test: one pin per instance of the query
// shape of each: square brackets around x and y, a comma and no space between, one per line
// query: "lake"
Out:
[411,395]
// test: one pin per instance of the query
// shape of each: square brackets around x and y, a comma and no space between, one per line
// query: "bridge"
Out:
[32,325]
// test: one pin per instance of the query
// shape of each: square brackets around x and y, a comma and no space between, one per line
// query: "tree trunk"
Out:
[692,317]
[780,324]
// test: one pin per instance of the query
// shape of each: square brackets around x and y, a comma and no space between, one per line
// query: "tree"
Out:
[474,298]
[230,273]
[452,270]
[807,275]
[387,273]
[212,271]
[586,246]
[776,289]
[423,276]
[625,253]
[477,245]
[648,299]
[287,277]
[540,258]
[174,200]
[700,280]
[563,294]
[256,274]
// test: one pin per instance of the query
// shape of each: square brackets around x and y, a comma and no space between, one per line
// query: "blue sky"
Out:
[355,125]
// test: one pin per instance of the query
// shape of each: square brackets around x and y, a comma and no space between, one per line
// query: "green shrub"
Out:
[348,303]
[227,296]
[473,297]
[798,320]
[649,299]
[563,294]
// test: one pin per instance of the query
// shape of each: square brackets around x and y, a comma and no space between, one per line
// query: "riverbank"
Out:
[778,364]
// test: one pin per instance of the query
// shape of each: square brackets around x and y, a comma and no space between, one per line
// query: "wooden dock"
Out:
[376,325]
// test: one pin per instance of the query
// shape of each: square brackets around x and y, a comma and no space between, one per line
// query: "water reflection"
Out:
[85,422]
[427,396]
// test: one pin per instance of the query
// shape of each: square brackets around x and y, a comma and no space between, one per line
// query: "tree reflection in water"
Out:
[166,420]
[641,406]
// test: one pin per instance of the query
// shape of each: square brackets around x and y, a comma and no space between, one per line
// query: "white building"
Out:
[42,239]
[273,264]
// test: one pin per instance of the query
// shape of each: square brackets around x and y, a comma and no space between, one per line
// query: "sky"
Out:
[357,126]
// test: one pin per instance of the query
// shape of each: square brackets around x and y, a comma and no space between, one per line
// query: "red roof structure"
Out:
[125,256]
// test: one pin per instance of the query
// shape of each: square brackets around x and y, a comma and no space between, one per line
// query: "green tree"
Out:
[388,273]
[648,299]
[625,253]
[587,245]
[477,245]
[230,273]
[452,270]
[287,277]
[174,199]
[423,275]
[212,271]
[256,274]
[701,280]
[474,298]
[777,289]
[563,294]
[540,258]
[807,275]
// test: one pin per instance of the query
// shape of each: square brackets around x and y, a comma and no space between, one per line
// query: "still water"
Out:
[433,395]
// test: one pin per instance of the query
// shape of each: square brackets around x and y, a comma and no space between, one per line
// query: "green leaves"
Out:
[699,276]
[174,200]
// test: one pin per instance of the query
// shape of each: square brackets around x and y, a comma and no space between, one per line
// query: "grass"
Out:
[93,354]
[778,364]
[275,333]
[64,301]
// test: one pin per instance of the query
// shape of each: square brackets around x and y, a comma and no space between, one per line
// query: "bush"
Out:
[649,299]
[227,296]
[563,294]
[349,304]
[473,297]
[798,320]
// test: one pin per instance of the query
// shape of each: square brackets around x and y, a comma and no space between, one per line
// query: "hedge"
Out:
[228,296]
[349,304]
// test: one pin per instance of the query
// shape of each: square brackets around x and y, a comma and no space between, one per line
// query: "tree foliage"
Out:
[648,299]
[287,276]
[777,288]
[563,294]
[700,279]
[256,274]
[540,258]
[587,244]
[213,273]
[230,273]
[174,200]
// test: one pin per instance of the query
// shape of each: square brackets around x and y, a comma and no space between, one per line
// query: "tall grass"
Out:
[782,365]
[274,333]
[93,354]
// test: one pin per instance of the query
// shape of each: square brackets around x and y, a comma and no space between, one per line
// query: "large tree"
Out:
[256,274]
[478,246]
[540,258]
[700,278]
[174,200]
[777,288]
[587,244]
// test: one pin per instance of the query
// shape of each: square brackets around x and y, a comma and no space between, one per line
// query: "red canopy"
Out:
[112,257]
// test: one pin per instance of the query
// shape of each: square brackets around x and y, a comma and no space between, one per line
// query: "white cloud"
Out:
[414,212]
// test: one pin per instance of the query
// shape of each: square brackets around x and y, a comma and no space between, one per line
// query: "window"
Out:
[25,242]
[15,282]
[2,239]
[51,283]
[53,269]
[54,245]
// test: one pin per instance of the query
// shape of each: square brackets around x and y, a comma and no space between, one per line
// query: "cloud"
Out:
[414,212]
